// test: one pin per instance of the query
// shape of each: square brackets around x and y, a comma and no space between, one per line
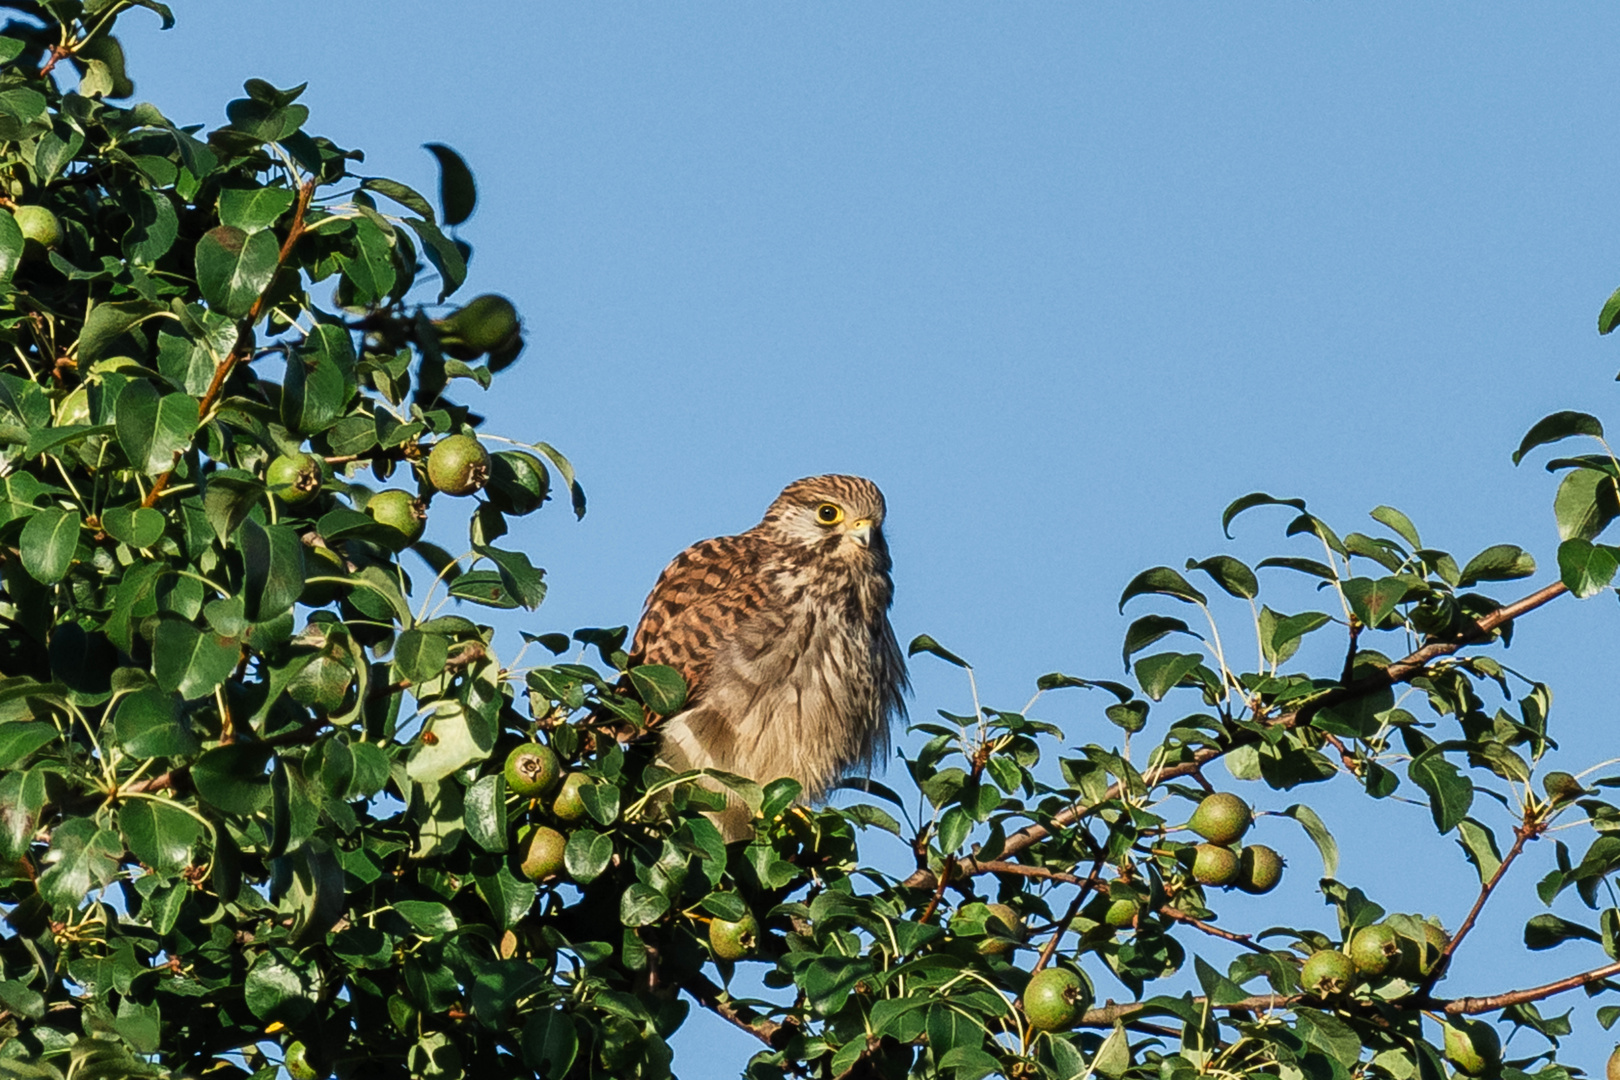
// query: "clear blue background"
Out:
[1063,279]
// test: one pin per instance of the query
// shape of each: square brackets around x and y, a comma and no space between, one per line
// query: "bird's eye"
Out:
[828,514]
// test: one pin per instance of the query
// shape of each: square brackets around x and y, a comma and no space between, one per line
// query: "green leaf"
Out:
[1374,601]
[1450,792]
[520,577]
[661,687]
[252,209]
[1560,425]
[407,197]
[1399,522]
[154,430]
[420,656]
[281,986]
[149,723]
[427,917]
[1148,629]
[159,834]
[924,643]
[486,812]
[587,854]
[1317,830]
[1499,562]
[458,194]
[1585,567]
[1587,500]
[1230,574]
[1479,844]
[460,738]
[107,322]
[566,469]
[48,542]
[550,1042]
[11,247]
[641,905]
[443,254]
[136,525]
[508,897]
[483,587]
[1547,930]
[1159,673]
[153,233]
[234,268]
[315,393]
[232,778]
[1164,581]
[82,856]
[1607,320]
[191,661]
[1131,716]
[273,569]
[1249,502]
[370,266]
[1304,566]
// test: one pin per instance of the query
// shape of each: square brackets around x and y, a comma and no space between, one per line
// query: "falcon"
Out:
[782,634]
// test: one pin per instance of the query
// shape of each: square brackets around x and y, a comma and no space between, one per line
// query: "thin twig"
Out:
[216,386]
[1521,833]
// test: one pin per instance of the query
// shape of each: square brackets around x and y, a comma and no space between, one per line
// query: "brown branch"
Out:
[1177,915]
[945,872]
[216,385]
[58,54]
[1521,833]
[1469,1005]
[1403,670]
[719,1002]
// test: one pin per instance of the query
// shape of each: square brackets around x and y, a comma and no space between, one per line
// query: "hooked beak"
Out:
[861,532]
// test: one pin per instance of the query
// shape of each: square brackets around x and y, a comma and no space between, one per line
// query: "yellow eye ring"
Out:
[829,514]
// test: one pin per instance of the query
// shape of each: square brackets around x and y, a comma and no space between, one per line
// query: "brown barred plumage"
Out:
[783,636]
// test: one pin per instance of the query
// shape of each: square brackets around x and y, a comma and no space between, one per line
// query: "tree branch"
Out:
[1470,1005]
[1521,833]
[719,1002]
[1403,670]
[216,386]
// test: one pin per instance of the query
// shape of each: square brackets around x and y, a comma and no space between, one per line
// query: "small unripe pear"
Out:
[1122,913]
[1375,950]
[41,230]
[295,478]
[1259,869]
[532,769]
[1327,974]
[543,850]
[401,512]
[734,940]
[568,807]
[1002,923]
[483,325]
[1221,818]
[1214,864]
[1055,999]
[1473,1046]
[458,465]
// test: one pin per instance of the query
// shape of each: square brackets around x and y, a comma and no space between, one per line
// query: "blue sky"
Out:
[1063,279]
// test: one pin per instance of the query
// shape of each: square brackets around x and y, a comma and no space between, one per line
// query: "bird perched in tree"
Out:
[782,634]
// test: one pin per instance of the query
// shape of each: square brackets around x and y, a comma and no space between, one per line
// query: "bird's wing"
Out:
[701,599]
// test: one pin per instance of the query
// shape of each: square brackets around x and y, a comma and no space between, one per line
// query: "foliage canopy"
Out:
[264,804]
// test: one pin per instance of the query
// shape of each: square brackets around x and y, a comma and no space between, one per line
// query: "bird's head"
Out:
[841,514]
